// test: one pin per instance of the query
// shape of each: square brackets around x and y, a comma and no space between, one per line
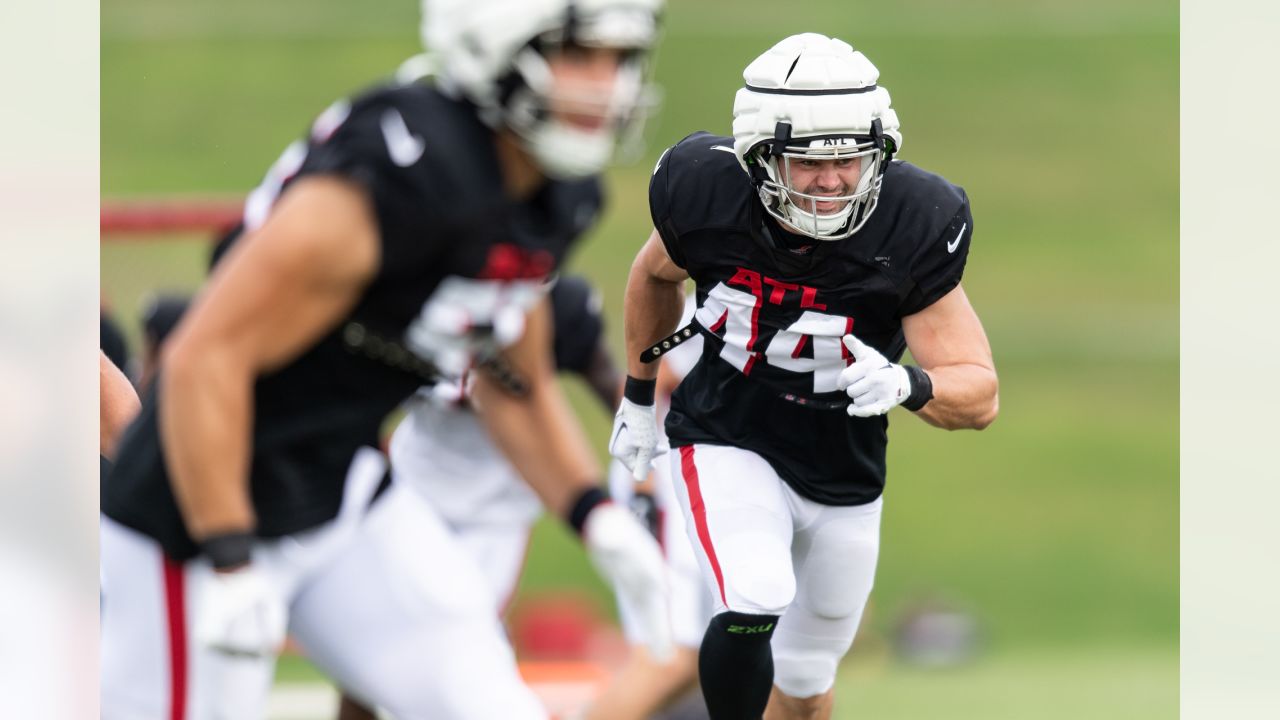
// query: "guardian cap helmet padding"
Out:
[811,97]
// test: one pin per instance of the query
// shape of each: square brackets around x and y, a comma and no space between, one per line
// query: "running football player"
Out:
[408,237]
[818,259]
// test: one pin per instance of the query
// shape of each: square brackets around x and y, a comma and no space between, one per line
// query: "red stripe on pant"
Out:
[176,605]
[700,514]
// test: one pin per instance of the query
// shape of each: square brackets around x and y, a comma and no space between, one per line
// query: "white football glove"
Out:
[466,319]
[445,335]
[629,558]
[635,437]
[239,613]
[873,383]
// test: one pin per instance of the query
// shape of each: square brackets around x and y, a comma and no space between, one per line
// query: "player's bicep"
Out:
[285,285]
[948,332]
[655,261]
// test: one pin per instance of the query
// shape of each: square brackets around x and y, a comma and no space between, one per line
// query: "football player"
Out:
[442,450]
[818,259]
[408,237]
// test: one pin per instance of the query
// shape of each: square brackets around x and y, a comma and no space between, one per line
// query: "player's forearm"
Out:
[205,406]
[542,438]
[964,397]
[651,311]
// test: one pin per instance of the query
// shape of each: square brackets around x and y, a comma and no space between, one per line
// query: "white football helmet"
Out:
[811,97]
[492,53]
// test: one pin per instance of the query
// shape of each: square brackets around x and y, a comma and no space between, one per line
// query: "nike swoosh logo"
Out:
[951,246]
[722,147]
[613,440]
[404,147]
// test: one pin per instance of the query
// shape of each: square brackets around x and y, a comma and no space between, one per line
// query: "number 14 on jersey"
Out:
[737,313]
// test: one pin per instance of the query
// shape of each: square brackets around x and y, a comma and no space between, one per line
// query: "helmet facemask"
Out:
[773,167]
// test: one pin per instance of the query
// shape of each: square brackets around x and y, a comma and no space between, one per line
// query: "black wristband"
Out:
[921,388]
[228,550]
[582,507]
[639,392]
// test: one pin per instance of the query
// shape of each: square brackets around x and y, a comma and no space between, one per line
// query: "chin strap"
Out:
[781,138]
[883,142]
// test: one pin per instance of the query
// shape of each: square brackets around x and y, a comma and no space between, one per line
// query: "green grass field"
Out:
[1057,526]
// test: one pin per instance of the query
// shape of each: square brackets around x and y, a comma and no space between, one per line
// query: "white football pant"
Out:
[765,550]
[445,454]
[384,602]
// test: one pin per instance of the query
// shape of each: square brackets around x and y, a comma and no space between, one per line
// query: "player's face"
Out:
[585,84]
[831,178]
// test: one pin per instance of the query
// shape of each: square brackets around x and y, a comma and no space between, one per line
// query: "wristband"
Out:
[639,392]
[582,507]
[921,388]
[228,550]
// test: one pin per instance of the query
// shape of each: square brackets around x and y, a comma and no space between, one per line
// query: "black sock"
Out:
[735,665]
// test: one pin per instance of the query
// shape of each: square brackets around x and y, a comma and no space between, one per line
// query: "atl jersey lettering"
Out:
[450,238]
[774,306]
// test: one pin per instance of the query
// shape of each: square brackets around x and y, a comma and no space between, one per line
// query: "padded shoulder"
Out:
[697,184]
[928,226]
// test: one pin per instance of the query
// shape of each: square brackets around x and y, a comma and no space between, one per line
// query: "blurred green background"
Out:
[1057,527]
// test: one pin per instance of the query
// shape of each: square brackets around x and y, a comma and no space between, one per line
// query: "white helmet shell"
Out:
[819,87]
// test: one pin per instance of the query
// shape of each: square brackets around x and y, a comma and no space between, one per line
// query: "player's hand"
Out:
[449,336]
[628,556]
[238,613]
[873,383]
[635,437]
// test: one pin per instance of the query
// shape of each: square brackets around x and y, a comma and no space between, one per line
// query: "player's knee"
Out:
[838,606]
[804,675]
[760,593]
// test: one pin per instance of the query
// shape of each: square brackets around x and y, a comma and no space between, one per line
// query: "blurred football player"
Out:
[442,450]
[409,237]
[818,259]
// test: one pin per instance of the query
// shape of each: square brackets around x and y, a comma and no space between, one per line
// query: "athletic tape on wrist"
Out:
[639,391]
[582,507]
[228,550]
[921,388]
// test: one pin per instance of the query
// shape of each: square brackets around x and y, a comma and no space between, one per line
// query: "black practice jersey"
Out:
[774,306]
[449,234]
